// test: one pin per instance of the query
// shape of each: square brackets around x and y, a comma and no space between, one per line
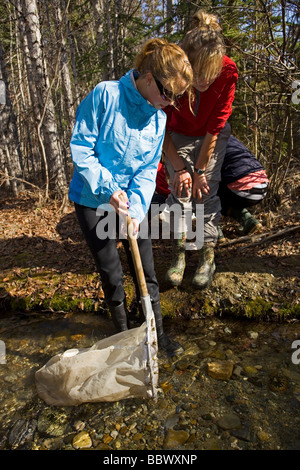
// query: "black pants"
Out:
[107,259]
[229,199]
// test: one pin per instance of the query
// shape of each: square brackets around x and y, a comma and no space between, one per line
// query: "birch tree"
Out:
[46,125]
[9,137]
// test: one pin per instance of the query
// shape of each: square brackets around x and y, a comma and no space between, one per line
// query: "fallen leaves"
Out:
[45,260]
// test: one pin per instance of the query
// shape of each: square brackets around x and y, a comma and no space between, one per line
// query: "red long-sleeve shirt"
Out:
[212,107]
[161,181]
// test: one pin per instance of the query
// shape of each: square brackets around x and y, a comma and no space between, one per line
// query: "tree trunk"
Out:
[46,126]
[72,54]
[111,65]
[99,15]
[65,72]
[9,132]
[116,40]
[170,25]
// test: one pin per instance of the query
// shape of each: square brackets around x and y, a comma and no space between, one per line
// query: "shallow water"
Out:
[257,407]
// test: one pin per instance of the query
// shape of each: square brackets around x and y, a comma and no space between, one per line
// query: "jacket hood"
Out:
[134,96]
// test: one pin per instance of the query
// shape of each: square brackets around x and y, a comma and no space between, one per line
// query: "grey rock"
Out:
[229,421]
[22,432]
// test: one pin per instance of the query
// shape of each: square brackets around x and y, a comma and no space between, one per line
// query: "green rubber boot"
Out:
[175,272]
[248,224]
[206,267]
[221,238]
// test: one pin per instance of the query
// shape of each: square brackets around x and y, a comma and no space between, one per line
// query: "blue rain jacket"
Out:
[116,144]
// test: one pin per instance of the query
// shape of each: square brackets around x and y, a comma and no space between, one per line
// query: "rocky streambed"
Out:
[237,386]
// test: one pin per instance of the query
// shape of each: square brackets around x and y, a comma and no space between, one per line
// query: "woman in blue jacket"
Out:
[116,147]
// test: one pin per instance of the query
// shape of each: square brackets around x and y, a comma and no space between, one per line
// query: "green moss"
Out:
[67,303]
[51,290]
[57,303]
[261,309]
[173,302]
[208,308]
[129,291]
[23,304]
[255,309]
[258,308]
[289,311]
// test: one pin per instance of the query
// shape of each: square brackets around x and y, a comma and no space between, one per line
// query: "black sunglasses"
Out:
[167,94]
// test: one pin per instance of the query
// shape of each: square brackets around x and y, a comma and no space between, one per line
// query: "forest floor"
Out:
[45,264]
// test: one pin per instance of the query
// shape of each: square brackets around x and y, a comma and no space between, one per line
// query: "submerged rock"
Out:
[229,421]
[221,370]
[82,440]
[22,432]
[52,422]
[174,439]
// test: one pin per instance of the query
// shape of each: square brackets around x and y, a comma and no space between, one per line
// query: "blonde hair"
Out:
[203,20]
[205,46]
[168,63]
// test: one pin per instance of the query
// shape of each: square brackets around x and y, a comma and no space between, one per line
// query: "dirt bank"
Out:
[45,264]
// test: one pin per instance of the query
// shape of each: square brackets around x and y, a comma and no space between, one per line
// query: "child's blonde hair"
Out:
[204,46]
[167,62]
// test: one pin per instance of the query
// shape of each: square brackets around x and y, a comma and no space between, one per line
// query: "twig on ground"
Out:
[260,238]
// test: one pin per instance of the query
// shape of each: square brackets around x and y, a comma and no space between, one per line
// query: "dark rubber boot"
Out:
[119,317]
[171,347]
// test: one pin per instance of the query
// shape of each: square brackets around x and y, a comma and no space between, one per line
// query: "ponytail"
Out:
[204,45]
[147,57]
[203,20]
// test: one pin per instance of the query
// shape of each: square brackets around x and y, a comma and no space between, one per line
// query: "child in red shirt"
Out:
[212,107]
[195,142]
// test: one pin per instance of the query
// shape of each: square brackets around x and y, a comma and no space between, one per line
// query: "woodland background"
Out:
[54,52]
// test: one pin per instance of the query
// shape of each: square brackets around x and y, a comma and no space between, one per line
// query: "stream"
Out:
[236,387]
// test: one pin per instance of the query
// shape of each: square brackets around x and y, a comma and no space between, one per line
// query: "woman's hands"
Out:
[120,203]
[133,228]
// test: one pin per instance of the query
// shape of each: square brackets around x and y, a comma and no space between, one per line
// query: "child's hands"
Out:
[200,186]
